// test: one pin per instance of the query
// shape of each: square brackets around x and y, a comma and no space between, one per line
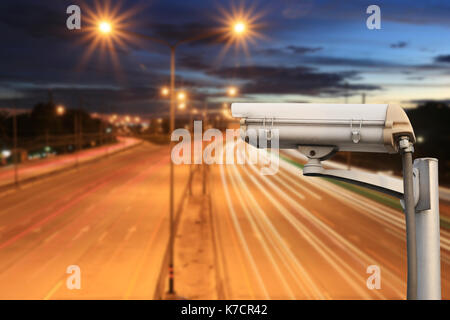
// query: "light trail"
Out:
[241,236]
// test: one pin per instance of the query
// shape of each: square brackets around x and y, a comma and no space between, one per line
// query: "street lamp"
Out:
[60,110]
[165,91]
[181,96]
[239,27]
[232,91]
[238,30]
[105,27]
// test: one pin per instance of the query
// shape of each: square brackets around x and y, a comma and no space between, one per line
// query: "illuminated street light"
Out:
[232,91]
[165,91]
[181,96]
[239,27]
[105,27]
[182,106]
[137,119]
[60,110]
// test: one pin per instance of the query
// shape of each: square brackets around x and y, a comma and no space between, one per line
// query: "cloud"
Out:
[348,62]
[399,45]
[442,58]
[194,31]
[193,62]
[303,50]
[292,80]
[38,21]
[288,50]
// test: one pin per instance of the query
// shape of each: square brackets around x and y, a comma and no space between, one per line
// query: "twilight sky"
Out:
[304,50]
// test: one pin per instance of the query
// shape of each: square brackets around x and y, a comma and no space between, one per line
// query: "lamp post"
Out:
[239,29]
[16,169]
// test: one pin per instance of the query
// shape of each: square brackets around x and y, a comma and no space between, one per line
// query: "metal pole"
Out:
[75,135]
[427,231]
[16,172]
[204,164]
[172,128]
[408,186]
[191,127]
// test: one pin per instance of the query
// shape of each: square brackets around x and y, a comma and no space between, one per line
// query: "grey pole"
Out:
[15,153]
[427,231]
[411,243]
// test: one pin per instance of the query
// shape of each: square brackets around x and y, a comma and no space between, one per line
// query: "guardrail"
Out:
[44,175]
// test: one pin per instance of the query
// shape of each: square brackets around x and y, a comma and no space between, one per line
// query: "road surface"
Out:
[110,218]
[286,236]
[281,236]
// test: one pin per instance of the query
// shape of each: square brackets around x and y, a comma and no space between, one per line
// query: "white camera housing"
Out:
[343,127]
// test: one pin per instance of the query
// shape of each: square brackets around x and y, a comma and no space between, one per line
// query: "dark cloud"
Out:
[291,80]
[399,45]
[193,62]
[423,101]
[348,62]
[291,49]
[196,33]
[443,58]
[37,20]
[303,50]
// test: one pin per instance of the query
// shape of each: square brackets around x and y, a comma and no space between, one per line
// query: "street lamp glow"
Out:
[232,91]
[165,91]
[181,96]
[182,106]
[239,27]
[60,110]
[105,27]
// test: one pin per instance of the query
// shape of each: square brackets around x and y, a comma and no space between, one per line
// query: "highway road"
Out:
[286,236]
[109,217]
[281,236]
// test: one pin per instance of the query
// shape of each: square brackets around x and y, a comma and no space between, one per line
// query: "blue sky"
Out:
[314,51]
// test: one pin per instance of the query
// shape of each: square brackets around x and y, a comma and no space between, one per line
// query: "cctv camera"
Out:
[327,127]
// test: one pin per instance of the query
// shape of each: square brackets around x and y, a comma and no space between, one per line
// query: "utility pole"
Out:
[15,152]
[346,92]
[75,136]
[46,138]
[204,164]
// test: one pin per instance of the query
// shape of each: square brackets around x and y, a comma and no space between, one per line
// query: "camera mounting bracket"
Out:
[378,182]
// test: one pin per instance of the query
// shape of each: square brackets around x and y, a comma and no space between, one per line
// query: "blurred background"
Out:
[85,122]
